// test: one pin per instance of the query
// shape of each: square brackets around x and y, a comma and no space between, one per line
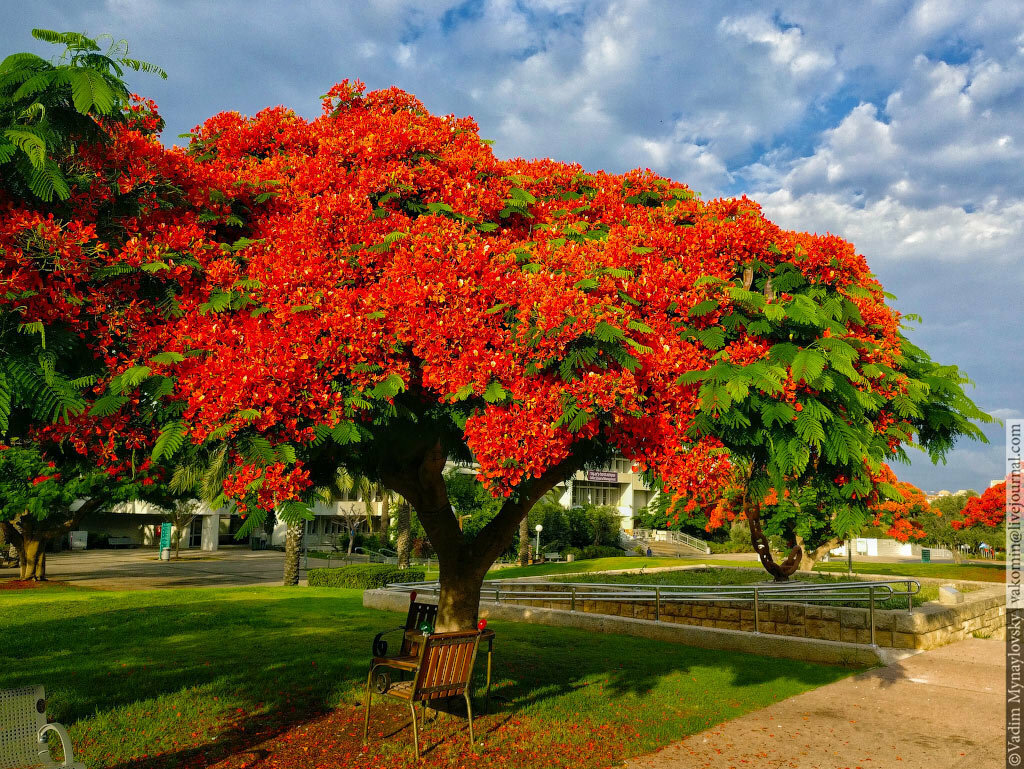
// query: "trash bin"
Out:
[165,554]
[926,556]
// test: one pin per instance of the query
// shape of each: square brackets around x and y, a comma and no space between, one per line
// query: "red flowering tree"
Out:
[373,289]
[86,190]
[988,510]
[44,496]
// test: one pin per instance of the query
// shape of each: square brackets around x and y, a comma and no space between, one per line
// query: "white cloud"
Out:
[889,229]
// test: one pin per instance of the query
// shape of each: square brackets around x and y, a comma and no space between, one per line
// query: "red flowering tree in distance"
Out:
[375,289]
[989,509]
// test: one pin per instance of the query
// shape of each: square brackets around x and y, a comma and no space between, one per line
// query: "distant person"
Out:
[649,553]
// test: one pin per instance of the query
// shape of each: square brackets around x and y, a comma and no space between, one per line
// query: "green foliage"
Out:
[364,576]
[48,108]
[800,444]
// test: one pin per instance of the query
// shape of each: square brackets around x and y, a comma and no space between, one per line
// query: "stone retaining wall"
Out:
[931,625]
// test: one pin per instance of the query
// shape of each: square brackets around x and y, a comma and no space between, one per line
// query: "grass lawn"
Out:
[593,564]
[981,572]
[271,676]
[734,576]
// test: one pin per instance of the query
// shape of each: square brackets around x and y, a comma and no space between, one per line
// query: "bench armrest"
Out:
[380,646]
[65,743]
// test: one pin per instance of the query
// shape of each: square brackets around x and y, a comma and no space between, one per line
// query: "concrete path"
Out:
[141,569]
[942,709]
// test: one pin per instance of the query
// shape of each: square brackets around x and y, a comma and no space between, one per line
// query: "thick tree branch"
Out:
[497,534]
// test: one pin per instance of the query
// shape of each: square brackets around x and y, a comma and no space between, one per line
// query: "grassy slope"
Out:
[970,571]
[184,677]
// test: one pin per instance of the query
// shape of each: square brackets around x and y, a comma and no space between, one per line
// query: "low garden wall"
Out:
[933,624]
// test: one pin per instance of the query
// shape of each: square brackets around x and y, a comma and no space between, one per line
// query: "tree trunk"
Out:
[810,557]
[458,607]
[524,541]
[32,553]
[419,477]
[292,552]
[351,540]
[404,535]
[780,571]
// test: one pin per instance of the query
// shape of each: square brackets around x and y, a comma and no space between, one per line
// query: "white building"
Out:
[891,548]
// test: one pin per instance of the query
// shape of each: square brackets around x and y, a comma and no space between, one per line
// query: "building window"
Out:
[601,494]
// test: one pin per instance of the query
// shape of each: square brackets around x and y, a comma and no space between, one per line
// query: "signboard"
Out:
[606,476]
[165,536]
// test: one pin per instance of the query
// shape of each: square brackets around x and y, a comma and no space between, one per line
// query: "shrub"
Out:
[731,547]
[363,575]
[602,551]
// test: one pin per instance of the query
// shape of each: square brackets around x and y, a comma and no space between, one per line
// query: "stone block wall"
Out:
[983,611]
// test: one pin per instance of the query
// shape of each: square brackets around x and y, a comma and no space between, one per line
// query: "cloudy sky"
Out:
[896,124]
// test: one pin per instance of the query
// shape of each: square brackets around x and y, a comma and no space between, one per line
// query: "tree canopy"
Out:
[375,289]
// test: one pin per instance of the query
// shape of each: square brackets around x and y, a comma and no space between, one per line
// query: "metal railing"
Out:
[668,535]
[758,594]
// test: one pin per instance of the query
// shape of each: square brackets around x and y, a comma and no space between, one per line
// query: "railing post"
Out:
[657,604]
[497,594]
[871,612]
[572,600]
[910,602]
[757,612]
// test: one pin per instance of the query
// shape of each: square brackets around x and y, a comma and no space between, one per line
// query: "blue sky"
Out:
[898,125]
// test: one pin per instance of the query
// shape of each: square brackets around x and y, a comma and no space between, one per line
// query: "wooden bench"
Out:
[552,556]
[120,542]
[441,669]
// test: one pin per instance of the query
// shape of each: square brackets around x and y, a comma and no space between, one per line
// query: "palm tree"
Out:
[404,534]
[524,541]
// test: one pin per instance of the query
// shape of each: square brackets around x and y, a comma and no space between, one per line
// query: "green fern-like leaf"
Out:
[89,90]
[171,438]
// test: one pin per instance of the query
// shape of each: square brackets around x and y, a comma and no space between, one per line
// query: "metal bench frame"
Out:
[23,730]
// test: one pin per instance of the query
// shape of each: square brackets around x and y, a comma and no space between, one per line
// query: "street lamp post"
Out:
[537,548]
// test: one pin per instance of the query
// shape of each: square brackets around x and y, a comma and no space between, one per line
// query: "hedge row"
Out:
[363,575]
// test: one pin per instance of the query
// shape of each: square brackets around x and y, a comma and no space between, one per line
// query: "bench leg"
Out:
[415,731]
[469,712]
[366,717]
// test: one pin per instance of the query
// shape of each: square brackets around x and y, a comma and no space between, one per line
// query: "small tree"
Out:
[181,515]
[45,496]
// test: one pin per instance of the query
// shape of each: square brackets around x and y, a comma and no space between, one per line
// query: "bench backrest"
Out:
[446,664]
[22,715]
[418,614]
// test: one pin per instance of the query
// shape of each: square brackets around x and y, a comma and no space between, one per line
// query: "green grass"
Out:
[981,572]
[193,677]
[734,576]
[591,565]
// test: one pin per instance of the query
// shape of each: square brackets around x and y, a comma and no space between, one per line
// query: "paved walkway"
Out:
[943,709]
[140,569]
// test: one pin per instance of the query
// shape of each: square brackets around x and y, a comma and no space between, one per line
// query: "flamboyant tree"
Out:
[43,496]
[373,289]
[988,509]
